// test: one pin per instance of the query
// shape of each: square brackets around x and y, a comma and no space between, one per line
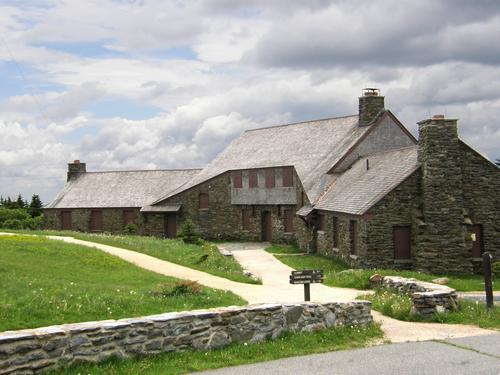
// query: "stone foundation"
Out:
[427,298]
[37,350]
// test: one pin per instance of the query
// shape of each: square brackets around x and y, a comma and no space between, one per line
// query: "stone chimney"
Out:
[370,105]
[76,168]
[442,244]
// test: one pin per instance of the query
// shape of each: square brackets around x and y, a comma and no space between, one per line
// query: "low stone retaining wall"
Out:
[37,350]
[428,298]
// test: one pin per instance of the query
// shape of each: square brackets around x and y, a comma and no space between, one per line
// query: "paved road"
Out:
[472,355]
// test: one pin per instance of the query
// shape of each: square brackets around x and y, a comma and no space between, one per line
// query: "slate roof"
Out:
[357,189]
[119,189]
[311,147]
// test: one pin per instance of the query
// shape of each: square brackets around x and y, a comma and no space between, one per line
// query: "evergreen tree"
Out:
[8,203]
[19,201]
[35,207]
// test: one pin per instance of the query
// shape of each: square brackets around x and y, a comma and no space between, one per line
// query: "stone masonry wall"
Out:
[398,208]
[42,349]
[481,192]
[223,220]
[442,246]
[427,298]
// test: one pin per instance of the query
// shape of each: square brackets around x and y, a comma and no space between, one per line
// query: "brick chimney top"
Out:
[438,117]
[370,91]
[75,169]
[76,161]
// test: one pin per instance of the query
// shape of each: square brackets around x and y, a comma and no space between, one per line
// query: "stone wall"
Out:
[442,237]
[427,298]
[481,192]
[223,220]
[38,350]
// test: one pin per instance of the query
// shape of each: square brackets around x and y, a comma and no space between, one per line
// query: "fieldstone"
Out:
[376,280]
[441,281]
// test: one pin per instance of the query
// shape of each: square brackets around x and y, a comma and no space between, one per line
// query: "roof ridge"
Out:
[298,123]
[147,170]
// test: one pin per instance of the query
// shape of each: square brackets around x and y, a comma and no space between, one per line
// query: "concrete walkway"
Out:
[276,288]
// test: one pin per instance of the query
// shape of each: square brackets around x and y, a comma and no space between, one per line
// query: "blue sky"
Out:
[167,84]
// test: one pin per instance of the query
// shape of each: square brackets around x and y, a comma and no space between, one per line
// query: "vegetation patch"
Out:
[238,354]
[337,272]
[398,306]
[47,282]
[205,257]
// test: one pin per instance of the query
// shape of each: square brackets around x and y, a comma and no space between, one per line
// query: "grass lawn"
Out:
[398,306]
[336,274]
[46,282]
[238,354]
[204,258]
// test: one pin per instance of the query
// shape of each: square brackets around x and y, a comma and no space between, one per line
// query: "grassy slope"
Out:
[286,346]
[398,306]
[47,282]
[359,279]
[174,251]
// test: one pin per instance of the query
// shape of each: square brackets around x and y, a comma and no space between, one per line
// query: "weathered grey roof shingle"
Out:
[311,147]
[357,189]
[119,189]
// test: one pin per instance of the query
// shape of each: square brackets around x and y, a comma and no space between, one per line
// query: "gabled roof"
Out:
[357,189]
[311,147]
[119,189]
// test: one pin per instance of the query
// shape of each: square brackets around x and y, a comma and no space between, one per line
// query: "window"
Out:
[287,176]
[252,178]
[203,201]
[321,222]
[237,179]
[335,234]
[477,241]
[128,217]
[246,213]
[289,221]
[270,178]
[401,237]
[96,221]
[66,220]
[353,234]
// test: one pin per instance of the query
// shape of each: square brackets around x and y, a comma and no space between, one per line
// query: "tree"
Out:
[19,201]
[35,207]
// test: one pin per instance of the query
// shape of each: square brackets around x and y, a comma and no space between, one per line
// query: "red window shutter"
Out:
[270,178]
[96,221]
[237,179]
[287,176]
[203,204]
[321,222]
[128,217]
[252,178]
[66,220]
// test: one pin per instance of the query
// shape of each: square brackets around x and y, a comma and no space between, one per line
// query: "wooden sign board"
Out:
[306,277]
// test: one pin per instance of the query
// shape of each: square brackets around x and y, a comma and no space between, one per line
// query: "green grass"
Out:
[337,272]
[283,249]
[237,354]
[398,306]
[46,282]
[204,257]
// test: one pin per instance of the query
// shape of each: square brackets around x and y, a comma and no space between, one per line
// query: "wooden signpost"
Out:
[306,277]
[488,285]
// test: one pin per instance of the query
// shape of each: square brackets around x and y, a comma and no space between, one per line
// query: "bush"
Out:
[131,228]
[189,234]
[19,219]
[496,270]
[179,289]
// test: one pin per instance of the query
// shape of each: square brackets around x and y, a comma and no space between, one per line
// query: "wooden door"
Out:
[477,245]
[96,221]
[170,225]
[128,217]
[66,220]
[267,226]
[402,242]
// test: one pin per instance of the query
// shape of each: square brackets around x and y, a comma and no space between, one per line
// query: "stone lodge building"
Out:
[358,187]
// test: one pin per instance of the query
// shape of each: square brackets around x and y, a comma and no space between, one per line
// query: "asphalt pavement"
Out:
[471,355]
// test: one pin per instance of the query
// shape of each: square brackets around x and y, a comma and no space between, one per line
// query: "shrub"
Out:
[189,234]
[131,228]
[19,219]
[496,270]
[179,289]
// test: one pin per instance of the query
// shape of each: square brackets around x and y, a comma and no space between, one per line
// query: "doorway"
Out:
[171,225]
[267,227]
